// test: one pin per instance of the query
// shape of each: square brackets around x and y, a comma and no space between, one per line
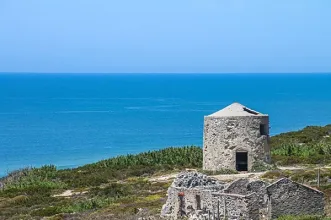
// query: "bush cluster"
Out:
[143,164]
[305,217]
[311,145]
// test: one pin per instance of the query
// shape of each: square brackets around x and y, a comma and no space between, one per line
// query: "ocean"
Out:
[73,119]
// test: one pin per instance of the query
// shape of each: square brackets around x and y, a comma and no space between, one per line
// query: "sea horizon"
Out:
[166,73]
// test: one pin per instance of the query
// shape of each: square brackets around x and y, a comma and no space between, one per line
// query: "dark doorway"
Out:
[198,200]
[241,161]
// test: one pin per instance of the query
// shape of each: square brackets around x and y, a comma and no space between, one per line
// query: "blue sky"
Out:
[161,36]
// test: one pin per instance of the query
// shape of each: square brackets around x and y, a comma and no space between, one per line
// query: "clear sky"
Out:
[115,36]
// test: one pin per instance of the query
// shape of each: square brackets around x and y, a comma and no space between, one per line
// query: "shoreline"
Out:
[63,167]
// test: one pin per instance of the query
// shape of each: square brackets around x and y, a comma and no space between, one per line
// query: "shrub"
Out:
[275,174]
[31,181]
[114,190]
[260,166]
[122,167]
[308,135]
[86,204]
[173,156]
[311,145]
[307,217]
[47,211]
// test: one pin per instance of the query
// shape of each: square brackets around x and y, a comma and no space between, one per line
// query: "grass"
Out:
[305,217]
[311,145]
[307,175]
[118,188]
[120,199]
[260,166]
[123,167]
[308,135]
[117,185]
[312,153]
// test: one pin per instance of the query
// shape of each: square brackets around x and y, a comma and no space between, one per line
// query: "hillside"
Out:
[117,188]
[311,145]
[124,187]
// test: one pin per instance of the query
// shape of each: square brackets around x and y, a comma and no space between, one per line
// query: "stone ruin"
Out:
[197,196]
[195,179]
[235,138]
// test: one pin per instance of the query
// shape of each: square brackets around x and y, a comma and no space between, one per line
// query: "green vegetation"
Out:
[311,145]
[303,218]
[310,134]
[120,187]
[260,166]
[115,186]
[306,176]
[133,165]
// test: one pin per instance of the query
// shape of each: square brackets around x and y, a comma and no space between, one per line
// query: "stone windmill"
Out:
[234,138]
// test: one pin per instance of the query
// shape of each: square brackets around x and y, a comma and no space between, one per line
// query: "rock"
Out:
[194,179]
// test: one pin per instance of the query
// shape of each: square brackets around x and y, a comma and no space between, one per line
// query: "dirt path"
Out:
[163,178]
[231,177]
[69,193]
[257,175]
[222,177]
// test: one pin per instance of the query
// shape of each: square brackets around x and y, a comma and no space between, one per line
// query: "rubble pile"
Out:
[195,179]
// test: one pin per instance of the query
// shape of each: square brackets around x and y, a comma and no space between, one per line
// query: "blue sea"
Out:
[73,119]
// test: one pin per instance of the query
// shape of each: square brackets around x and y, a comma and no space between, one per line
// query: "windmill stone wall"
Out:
[233,129]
